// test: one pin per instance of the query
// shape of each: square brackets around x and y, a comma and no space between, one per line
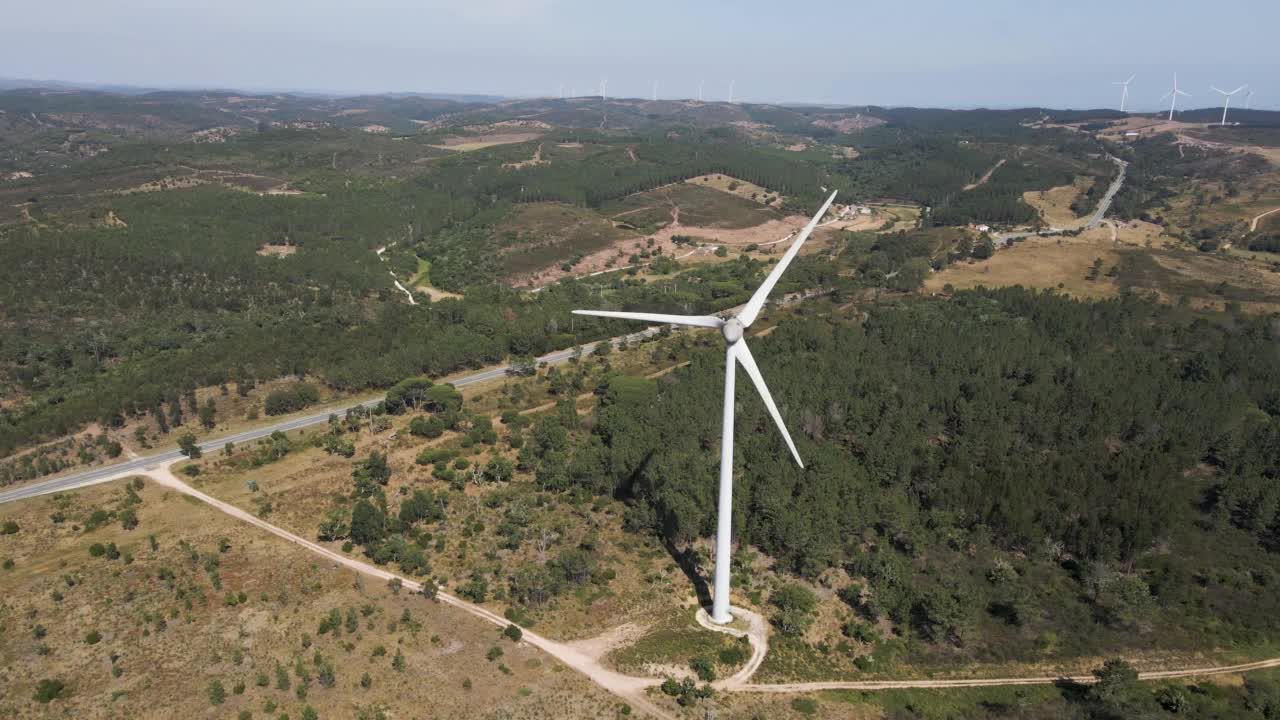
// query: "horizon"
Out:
[1001,55]
[10,84]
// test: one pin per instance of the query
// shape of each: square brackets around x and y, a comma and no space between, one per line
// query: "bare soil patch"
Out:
[467,143]
[277,250]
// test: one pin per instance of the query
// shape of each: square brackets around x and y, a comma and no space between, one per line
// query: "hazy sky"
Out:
[895,52]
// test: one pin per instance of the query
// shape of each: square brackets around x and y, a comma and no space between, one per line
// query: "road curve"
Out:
[134,466]
[990,682]
[119,470]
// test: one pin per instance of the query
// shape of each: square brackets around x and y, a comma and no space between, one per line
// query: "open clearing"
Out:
[689,204]
[1054,204]
[467,143]
[147,634]
[1039,262]
[538,236]
[741,188]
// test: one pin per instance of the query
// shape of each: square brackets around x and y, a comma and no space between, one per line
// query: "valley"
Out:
[282,359]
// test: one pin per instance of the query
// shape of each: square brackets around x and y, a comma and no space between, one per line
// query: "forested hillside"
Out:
[173,240]
[990,470]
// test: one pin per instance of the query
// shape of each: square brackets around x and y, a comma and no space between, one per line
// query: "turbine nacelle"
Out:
[732,330]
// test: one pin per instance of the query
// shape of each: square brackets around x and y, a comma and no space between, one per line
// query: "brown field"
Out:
[178,615]
[1139,259]
[1054,204]
[277,250]
[1051,262]
[742,188]
[540,236]
[467,143]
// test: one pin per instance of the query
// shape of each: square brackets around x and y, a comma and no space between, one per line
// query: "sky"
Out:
[936,53]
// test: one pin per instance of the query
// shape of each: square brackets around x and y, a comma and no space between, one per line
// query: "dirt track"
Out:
[633,689]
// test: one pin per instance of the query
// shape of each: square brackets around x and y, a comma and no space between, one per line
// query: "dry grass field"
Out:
[1054,204]
[1051,262]
[741,188]
[201,616]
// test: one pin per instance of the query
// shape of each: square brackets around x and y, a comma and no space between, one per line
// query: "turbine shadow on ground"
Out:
[688,565]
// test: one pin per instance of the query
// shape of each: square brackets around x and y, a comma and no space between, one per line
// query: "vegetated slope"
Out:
[137,601]
[1003,476]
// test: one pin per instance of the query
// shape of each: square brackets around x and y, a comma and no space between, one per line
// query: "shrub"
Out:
[10,528]
[93,637]
[289,399]
[97,550]
[805,706]
[49,690]
[513,632]
[217,694]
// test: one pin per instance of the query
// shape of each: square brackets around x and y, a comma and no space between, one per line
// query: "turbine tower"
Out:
[1174,93]
[1248,98]
[1124,93]
[736,353]
[604,84]
[1226,99]
[700,84]
[731,82]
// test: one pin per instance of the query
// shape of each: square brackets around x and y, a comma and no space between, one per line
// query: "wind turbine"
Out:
[736,353]
[1248,98]
[1226,99]
[1174,93]
[700,84]
[1124,94]
[731,82]
[655,90]
[604,84]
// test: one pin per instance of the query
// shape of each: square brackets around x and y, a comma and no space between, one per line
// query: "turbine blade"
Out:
[1166,95]
[1131,77]
[748,363]
[1187,94]
[707,321]
[756,303]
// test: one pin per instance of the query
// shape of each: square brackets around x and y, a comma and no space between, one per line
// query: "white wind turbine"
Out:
[1124,94]
[1248,98]
[731,82]
[736,353]
[1174,93]
[1226,99]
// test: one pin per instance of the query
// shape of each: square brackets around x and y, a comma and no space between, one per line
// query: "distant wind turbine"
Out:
[1248,98]
[655,90]
[561,91]
[1174,93]
[1124,94]
[700,84]
[736,354]
[1226,99]
[604,84]
[731,82]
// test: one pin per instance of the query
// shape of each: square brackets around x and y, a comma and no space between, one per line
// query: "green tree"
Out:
[368,523]
[187,445]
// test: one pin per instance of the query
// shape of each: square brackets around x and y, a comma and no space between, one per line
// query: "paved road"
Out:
[1104,205]
[129,467]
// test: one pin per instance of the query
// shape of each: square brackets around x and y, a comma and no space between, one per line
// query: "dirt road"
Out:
[985,177]
[1253,224]
[632,689]
[989,682]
